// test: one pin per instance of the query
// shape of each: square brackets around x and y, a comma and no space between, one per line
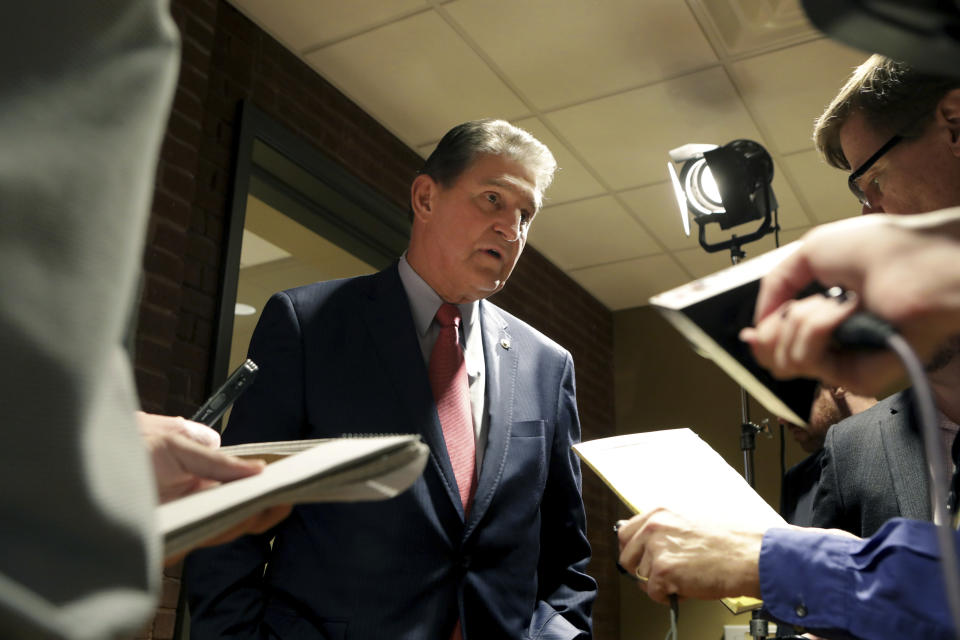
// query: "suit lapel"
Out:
[500,358]
[392,331]
[904,450]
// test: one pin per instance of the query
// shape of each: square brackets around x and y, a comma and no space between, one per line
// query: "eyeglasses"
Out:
[853,180]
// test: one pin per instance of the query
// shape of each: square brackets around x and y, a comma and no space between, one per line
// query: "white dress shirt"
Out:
[424,303]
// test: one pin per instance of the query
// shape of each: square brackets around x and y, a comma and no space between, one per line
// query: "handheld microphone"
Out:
[229,391]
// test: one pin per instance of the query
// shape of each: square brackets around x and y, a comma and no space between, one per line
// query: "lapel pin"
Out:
[505,343]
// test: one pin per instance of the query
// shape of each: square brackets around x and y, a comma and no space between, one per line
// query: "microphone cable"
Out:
[863,330]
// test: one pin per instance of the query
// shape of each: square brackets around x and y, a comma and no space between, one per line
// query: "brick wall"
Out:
[227,59]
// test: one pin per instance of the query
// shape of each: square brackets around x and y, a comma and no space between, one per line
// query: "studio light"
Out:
[728,185]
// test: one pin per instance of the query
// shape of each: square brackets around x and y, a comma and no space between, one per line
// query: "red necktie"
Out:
[451,391]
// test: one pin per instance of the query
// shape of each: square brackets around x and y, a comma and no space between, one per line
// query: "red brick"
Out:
[169,238]
[164,624]
[203,335]
[204,10]
[238,25]
[178,181]
[161,293]
[188,105]
[150,385]
[193,79]
[193,274]
[203,250]
[184,129]
[210,281]
[170,208]
[162,263]
[156,323]
[155,354]
[180,382]
[174,570]
[198,303]
[196,28]
[169,591]
[214,231]
[189,356]
[186,326]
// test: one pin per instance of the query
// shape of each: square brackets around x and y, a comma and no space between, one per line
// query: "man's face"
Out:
[824,413]
[830,406]
[915,176]
[471,235]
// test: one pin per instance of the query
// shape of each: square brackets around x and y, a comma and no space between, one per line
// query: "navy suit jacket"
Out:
[342,357]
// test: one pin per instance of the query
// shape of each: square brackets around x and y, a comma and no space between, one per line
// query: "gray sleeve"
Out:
[85,89]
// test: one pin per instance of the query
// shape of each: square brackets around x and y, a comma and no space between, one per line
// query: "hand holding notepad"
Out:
[676,470]
[300,471]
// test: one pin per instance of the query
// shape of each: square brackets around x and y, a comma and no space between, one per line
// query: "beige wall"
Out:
[661,383]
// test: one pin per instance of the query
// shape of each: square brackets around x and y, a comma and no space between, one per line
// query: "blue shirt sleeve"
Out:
[887,586]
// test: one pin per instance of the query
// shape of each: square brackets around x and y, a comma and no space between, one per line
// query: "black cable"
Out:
[776,217]
[783,456]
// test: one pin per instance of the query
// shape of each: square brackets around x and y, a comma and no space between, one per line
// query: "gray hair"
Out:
[460,146]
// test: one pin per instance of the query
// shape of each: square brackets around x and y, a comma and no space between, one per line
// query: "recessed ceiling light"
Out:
[242,309]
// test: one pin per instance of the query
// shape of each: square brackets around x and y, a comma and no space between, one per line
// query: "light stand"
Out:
[759,626]
[729,185]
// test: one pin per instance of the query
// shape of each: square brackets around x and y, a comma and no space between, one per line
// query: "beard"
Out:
[824,413]
[944,355]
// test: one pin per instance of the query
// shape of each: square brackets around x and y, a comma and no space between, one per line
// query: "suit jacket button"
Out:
[801,611]
[465,561]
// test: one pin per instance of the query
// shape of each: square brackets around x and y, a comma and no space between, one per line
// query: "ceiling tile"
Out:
[417,77]
[572,181]
[626,137]
[627,284]
[792,213]
[657,207]
[579,50]
[822,187]
[739,27]
[792,235]
[589,232]
[299,25]
[702,263]
[787,89]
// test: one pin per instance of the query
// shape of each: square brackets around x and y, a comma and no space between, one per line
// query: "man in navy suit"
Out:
[490,542]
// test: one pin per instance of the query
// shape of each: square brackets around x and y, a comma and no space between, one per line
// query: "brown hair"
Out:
[891,95]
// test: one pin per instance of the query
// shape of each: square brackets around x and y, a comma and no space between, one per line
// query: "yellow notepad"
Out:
[701,483]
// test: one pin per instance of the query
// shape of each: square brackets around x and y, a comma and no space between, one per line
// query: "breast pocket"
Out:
[288,624]
[527,457]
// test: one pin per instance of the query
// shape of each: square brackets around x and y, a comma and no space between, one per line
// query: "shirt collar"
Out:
[424,301]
